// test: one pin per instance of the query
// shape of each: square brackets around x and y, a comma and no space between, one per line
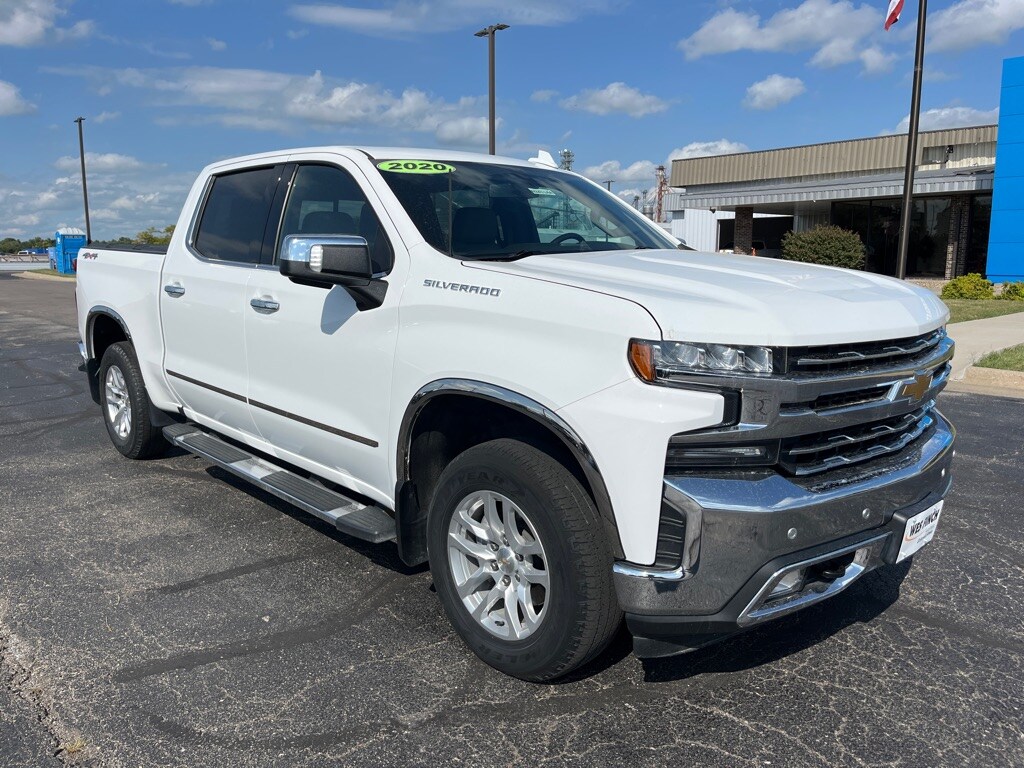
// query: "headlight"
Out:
[659,360]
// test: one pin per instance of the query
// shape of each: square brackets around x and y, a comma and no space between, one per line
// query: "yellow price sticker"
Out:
[415,166]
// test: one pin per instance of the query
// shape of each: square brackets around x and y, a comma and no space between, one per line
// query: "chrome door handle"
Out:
[174,289]
[264,305]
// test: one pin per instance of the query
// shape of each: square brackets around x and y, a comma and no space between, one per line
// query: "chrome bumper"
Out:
[737,525]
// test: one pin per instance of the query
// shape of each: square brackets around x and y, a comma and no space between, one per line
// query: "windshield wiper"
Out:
[515,256]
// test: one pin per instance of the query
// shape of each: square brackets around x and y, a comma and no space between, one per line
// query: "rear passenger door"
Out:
[319,368]
[203,301]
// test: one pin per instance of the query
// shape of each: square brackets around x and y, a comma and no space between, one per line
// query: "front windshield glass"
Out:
[489,211]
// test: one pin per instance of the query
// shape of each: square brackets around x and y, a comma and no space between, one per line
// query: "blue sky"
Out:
[167,86]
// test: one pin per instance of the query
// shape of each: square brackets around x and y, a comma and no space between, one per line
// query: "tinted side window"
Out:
[326,200]
[235,215]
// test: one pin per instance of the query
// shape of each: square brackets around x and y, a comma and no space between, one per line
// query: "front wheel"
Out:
[520,561]
[126,411]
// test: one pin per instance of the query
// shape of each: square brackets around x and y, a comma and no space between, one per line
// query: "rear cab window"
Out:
[235,214]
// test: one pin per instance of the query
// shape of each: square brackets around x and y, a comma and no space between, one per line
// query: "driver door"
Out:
[319,368]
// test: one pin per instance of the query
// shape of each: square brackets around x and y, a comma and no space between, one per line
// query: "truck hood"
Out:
[732,299]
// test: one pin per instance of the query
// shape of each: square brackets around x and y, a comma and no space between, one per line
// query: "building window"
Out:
[878,224]
[977,240]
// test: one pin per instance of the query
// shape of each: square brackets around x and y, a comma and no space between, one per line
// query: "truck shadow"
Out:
[384,555]
[860,603]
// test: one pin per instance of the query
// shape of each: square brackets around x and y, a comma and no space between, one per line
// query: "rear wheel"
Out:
[520,561]
[126,409]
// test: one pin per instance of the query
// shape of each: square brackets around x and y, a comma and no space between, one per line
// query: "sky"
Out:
[168,86]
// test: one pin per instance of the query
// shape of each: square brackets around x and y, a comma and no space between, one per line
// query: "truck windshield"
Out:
[504,212]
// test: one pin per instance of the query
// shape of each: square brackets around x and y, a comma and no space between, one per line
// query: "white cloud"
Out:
[120,204]
[543,95]
[642,172]
[950,117]
[215,44]
[397,17]
[615,98]
[834,29]
[275,101]
[109,162]
[876,61]
[969,23]
[612,170]
[25,23]
[104,117]
[465,131]
[707,149]
[773,91]
[11,101]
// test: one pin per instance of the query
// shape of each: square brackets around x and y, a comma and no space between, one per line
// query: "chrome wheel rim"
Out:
[119,404]
[499,565]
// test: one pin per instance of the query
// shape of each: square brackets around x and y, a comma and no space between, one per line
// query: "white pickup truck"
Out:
[511,374]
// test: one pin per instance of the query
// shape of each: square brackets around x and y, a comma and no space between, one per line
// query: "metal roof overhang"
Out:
[797,198]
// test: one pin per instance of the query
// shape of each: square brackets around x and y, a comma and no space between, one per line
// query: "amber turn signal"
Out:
[641,358]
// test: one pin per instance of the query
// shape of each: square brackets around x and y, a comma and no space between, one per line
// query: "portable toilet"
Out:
[69,241]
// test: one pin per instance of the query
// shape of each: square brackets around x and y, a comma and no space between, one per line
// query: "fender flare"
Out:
[524,405]
[90,322]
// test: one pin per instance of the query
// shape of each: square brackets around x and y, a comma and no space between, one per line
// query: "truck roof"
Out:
[384,153]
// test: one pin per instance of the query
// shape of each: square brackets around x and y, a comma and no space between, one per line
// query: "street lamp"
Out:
[489,34]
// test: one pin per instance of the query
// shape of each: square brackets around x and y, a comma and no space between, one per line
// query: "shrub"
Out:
[1012,292]
[828,245]
[972,286]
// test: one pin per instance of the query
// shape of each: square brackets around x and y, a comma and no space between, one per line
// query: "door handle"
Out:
[264,306]
[174,289]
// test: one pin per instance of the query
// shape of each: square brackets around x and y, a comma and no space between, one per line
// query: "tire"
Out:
[558,539]
[125,404]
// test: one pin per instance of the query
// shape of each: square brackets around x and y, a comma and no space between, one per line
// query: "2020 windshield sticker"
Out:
[415,166]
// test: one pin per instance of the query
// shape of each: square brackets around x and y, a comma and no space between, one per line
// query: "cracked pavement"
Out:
[161,613]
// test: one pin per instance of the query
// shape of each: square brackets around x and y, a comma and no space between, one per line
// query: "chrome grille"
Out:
[810,454]
[841,357]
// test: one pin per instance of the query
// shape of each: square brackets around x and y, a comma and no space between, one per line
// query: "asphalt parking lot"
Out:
[160,613]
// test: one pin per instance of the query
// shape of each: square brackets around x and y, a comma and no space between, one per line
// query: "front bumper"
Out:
[741,530]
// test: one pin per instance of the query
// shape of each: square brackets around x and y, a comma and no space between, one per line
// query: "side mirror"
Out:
[326,259]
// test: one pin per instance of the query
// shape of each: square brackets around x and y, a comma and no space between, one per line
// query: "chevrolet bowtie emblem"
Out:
[916,389]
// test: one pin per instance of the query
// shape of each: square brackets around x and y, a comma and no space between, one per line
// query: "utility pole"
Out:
[85,188]
[608,183]
[488,32]
[915,119]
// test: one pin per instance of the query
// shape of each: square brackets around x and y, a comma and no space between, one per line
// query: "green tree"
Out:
[152,236]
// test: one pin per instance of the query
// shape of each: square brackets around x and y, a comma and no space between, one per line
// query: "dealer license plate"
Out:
[919,531]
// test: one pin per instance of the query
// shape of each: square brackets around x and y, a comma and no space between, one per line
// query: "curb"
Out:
[29,275]
[990,381]
[994,377]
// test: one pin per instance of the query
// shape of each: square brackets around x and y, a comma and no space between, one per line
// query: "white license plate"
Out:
[919,531]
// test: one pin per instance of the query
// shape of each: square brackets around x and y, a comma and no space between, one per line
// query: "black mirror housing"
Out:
[326,259]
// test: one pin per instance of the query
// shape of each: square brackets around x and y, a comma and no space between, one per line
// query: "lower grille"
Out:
[810,454]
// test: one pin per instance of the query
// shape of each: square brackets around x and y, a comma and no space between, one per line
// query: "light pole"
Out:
[488,32]
[85,189]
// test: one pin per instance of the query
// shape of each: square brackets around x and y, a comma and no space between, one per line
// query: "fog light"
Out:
[788,584]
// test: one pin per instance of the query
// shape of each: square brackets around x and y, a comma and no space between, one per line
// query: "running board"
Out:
[347,515]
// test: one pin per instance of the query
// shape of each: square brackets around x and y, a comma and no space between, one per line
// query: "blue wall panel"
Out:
[1006,237]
